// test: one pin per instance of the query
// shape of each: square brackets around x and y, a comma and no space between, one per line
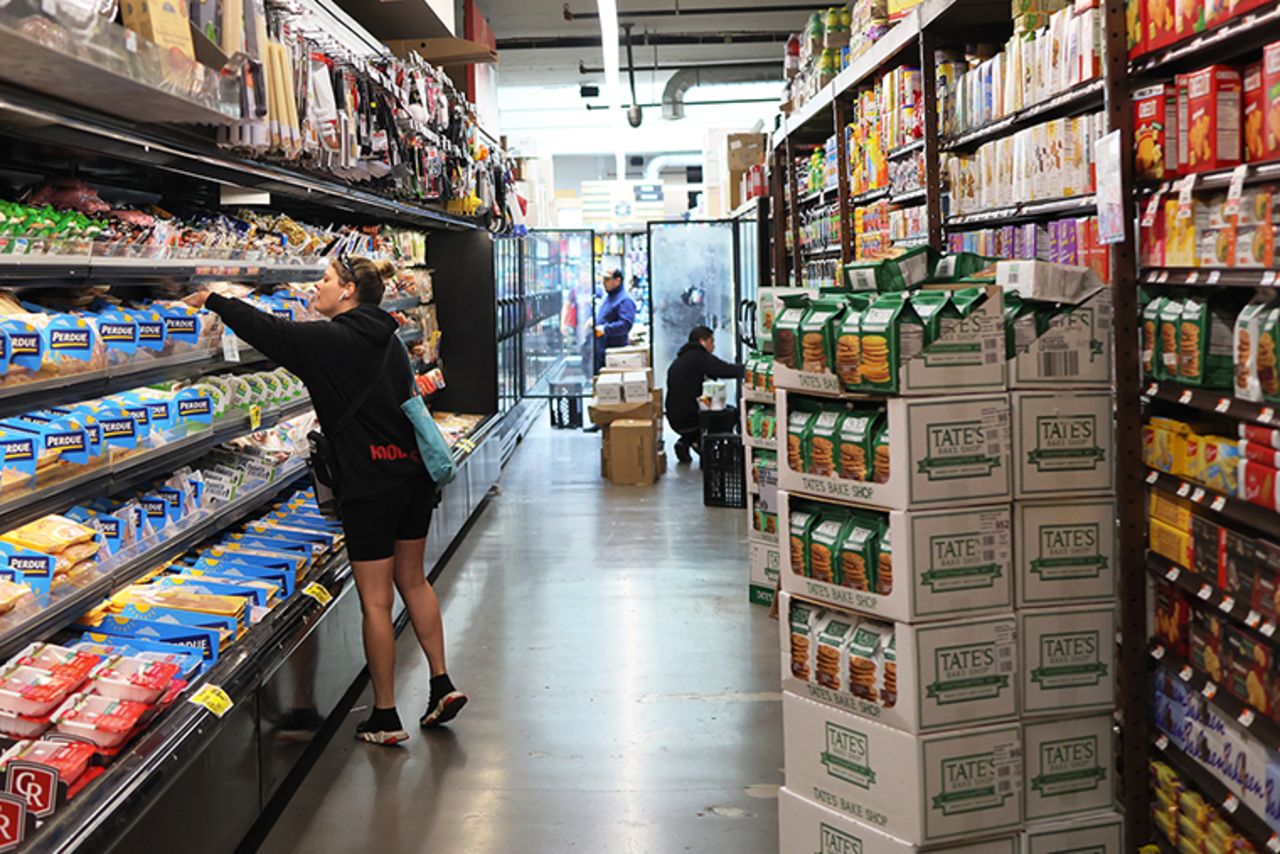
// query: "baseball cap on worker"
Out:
[616,274]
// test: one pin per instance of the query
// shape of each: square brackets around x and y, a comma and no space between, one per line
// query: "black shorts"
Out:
[372,525]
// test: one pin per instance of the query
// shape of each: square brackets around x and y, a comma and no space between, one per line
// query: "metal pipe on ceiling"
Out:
[595,107]
[677,12]
[583,68]
[655,39]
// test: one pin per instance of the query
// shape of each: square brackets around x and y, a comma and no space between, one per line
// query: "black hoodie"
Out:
[336,359]
[692,365]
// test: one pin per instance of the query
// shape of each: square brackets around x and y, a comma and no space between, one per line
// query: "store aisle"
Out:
[623,692]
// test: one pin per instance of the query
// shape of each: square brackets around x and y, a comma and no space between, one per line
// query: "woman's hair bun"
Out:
[385,268]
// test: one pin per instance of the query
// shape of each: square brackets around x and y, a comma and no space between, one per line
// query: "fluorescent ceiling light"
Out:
[612,82]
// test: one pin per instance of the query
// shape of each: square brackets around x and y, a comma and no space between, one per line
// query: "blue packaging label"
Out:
[72,444]
[19,452]
[194,405]
[25,344]
[151,331]
[70,337]
[119,332]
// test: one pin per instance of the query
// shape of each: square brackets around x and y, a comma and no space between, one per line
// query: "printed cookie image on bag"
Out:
[817,334]
[786,330]
[824,543]
[829,658]
[822,438]
[802,620]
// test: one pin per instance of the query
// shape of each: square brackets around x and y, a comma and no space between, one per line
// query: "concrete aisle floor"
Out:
[624,694]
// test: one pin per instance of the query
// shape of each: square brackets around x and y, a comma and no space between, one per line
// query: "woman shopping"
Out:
[358,375]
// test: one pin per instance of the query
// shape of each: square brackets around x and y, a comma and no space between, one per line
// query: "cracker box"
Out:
[1065,551]
[764,561]
[1069,766]
[805,827]
[1067,660]
[1063,345]
[1063,443]
[940,564]
[1155,131]
[1162,24]
[1271,107]
[1255,105]
[920,789]
[1213,129]
[930,452]
[635,387]
[609,388]
[946,674]
[1099,833]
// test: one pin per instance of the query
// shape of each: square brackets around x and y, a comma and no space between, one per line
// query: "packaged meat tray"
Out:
[69,758]
[33,692]
[136,679]
[105,721]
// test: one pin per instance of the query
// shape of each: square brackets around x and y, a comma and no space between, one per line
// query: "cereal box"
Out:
[1192,17]
[1155,131]
[1255,102]
[1184,120]
[1162,23]
[1271,107]
[1213,129]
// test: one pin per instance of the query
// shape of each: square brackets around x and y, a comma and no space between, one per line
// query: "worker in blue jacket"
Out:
[614,317]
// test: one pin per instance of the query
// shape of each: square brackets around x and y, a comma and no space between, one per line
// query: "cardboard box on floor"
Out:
[603,414]
[805,827]
[631,452]
[944,787]
[626,358]
[1099,833]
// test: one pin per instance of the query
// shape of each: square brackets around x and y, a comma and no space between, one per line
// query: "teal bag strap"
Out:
[437,456]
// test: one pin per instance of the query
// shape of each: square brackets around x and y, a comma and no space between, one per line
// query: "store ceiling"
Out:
[539,47]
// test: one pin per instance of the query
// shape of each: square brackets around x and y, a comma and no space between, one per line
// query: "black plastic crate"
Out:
[566,405]
[724,475]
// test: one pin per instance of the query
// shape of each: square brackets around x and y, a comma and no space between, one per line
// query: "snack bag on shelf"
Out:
[1205,344]
[824,546]
[1248,342]
[786,330]
[1151,350]
[858,564]
[817,334]
[798,432]
[856,451]
[823,438]
[830,655]
[865,656]
[803,621]
[801,523]
[880,457]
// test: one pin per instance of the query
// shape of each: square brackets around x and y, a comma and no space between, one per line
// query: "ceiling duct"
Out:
[673,160]
[686,78]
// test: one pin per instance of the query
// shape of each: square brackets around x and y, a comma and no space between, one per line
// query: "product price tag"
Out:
[255,417]
[1204,592]
[1185,188]
[1152,389]
[1162,277]
[1162,741]
[1231,803]
[1185,397]
[130,41]
[1172,574]
[1223,404]
[213,698]
[1252,619]
[1235,190]
[1183,489]
[1214,276]
[230,346]
[1268,628]
[1273,844]
[318,592]
[1218,503]
[1266,414]
[1157,653]
[1226,605]
[1269,277]
[1246,718]
[1198,495]
[1193,277]
[1186,673]
[1153,476]
[1151,211]
[1209,690]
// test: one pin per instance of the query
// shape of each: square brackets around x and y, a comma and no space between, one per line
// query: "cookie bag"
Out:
[818,334]
[1152,364]
[1167,333]
[1206,346]
[1265,360]
[866,660]
[799,423]
[786,330]
[803,621]
[856,444]
[848,345]
[856,554]
[824,546]
[801,523]
[833,637]
[822,442]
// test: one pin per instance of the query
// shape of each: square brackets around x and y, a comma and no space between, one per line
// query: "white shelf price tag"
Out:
[1235,190]
[1226,605]
[1268,628]
[230,346]
[1252,619]
[1269,277]
[1185,188]
[1266,414]
[1198,495]
[1231,804]
[1152,389]
[1223,404]
[1214,276]
[1193,277]
[1218,503]
[1209,690]
[1184,489]
[1163,277]
[1204,592]
[1185,397]
[1273,844]
[1162,741]
[1157,652]
[1173,573]
[1151,211]
[1186,673]
[1246,718]
[1153,476]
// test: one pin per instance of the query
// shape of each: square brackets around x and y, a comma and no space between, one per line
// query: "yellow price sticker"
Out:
[213,698]
[255,417]
[318,592]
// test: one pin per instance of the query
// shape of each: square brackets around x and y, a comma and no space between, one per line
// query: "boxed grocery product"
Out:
[1065,551]
[1271,106]
[1258,484]
[1068,766]
[1181,234]
[632,358]
[1213,129]
[1155,131]
[1062,344]
[636,387]
[1099,833]
[1162,24]
[927,452]
[633,456]
[1067,659]
[1255,109]
[764,561]
[1172,618]
[912,678]
[805,826]
[919,789]
[922,564]
[1169,542]
[1063,443]
[609,388]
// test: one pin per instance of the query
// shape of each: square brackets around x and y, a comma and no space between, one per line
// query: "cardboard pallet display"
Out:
[942,787]
[942,451]
[764,563]
[805,827]
[956,673]
[946,564]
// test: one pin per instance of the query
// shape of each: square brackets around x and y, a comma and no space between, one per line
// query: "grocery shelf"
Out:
[112,478]
[904,150]
[1079,99]
[1225,277]
[401,303]
[910,197]
[1214,598]
[1258,724]
[816,196]
[1218,179]
[1228,507]
[38,118]
[26,624]
[1028,211]
[751,395]
[759,444]
[47,269]
[1215,401]
[821,252]
[1242,817]
[868,197]
[1234,38]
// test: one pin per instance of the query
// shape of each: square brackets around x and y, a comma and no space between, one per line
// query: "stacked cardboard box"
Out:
[628,410]
[948,569]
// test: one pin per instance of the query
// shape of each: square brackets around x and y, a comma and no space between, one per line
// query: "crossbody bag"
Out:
[322,460]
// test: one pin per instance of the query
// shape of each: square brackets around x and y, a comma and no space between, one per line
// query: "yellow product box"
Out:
[1164,449]
[1193,468]
[1181,234]
[1170,542]
[1220,463]
[1170,510]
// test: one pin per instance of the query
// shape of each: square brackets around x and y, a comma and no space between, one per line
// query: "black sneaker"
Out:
[445,703]
[382,727]
[682,452]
